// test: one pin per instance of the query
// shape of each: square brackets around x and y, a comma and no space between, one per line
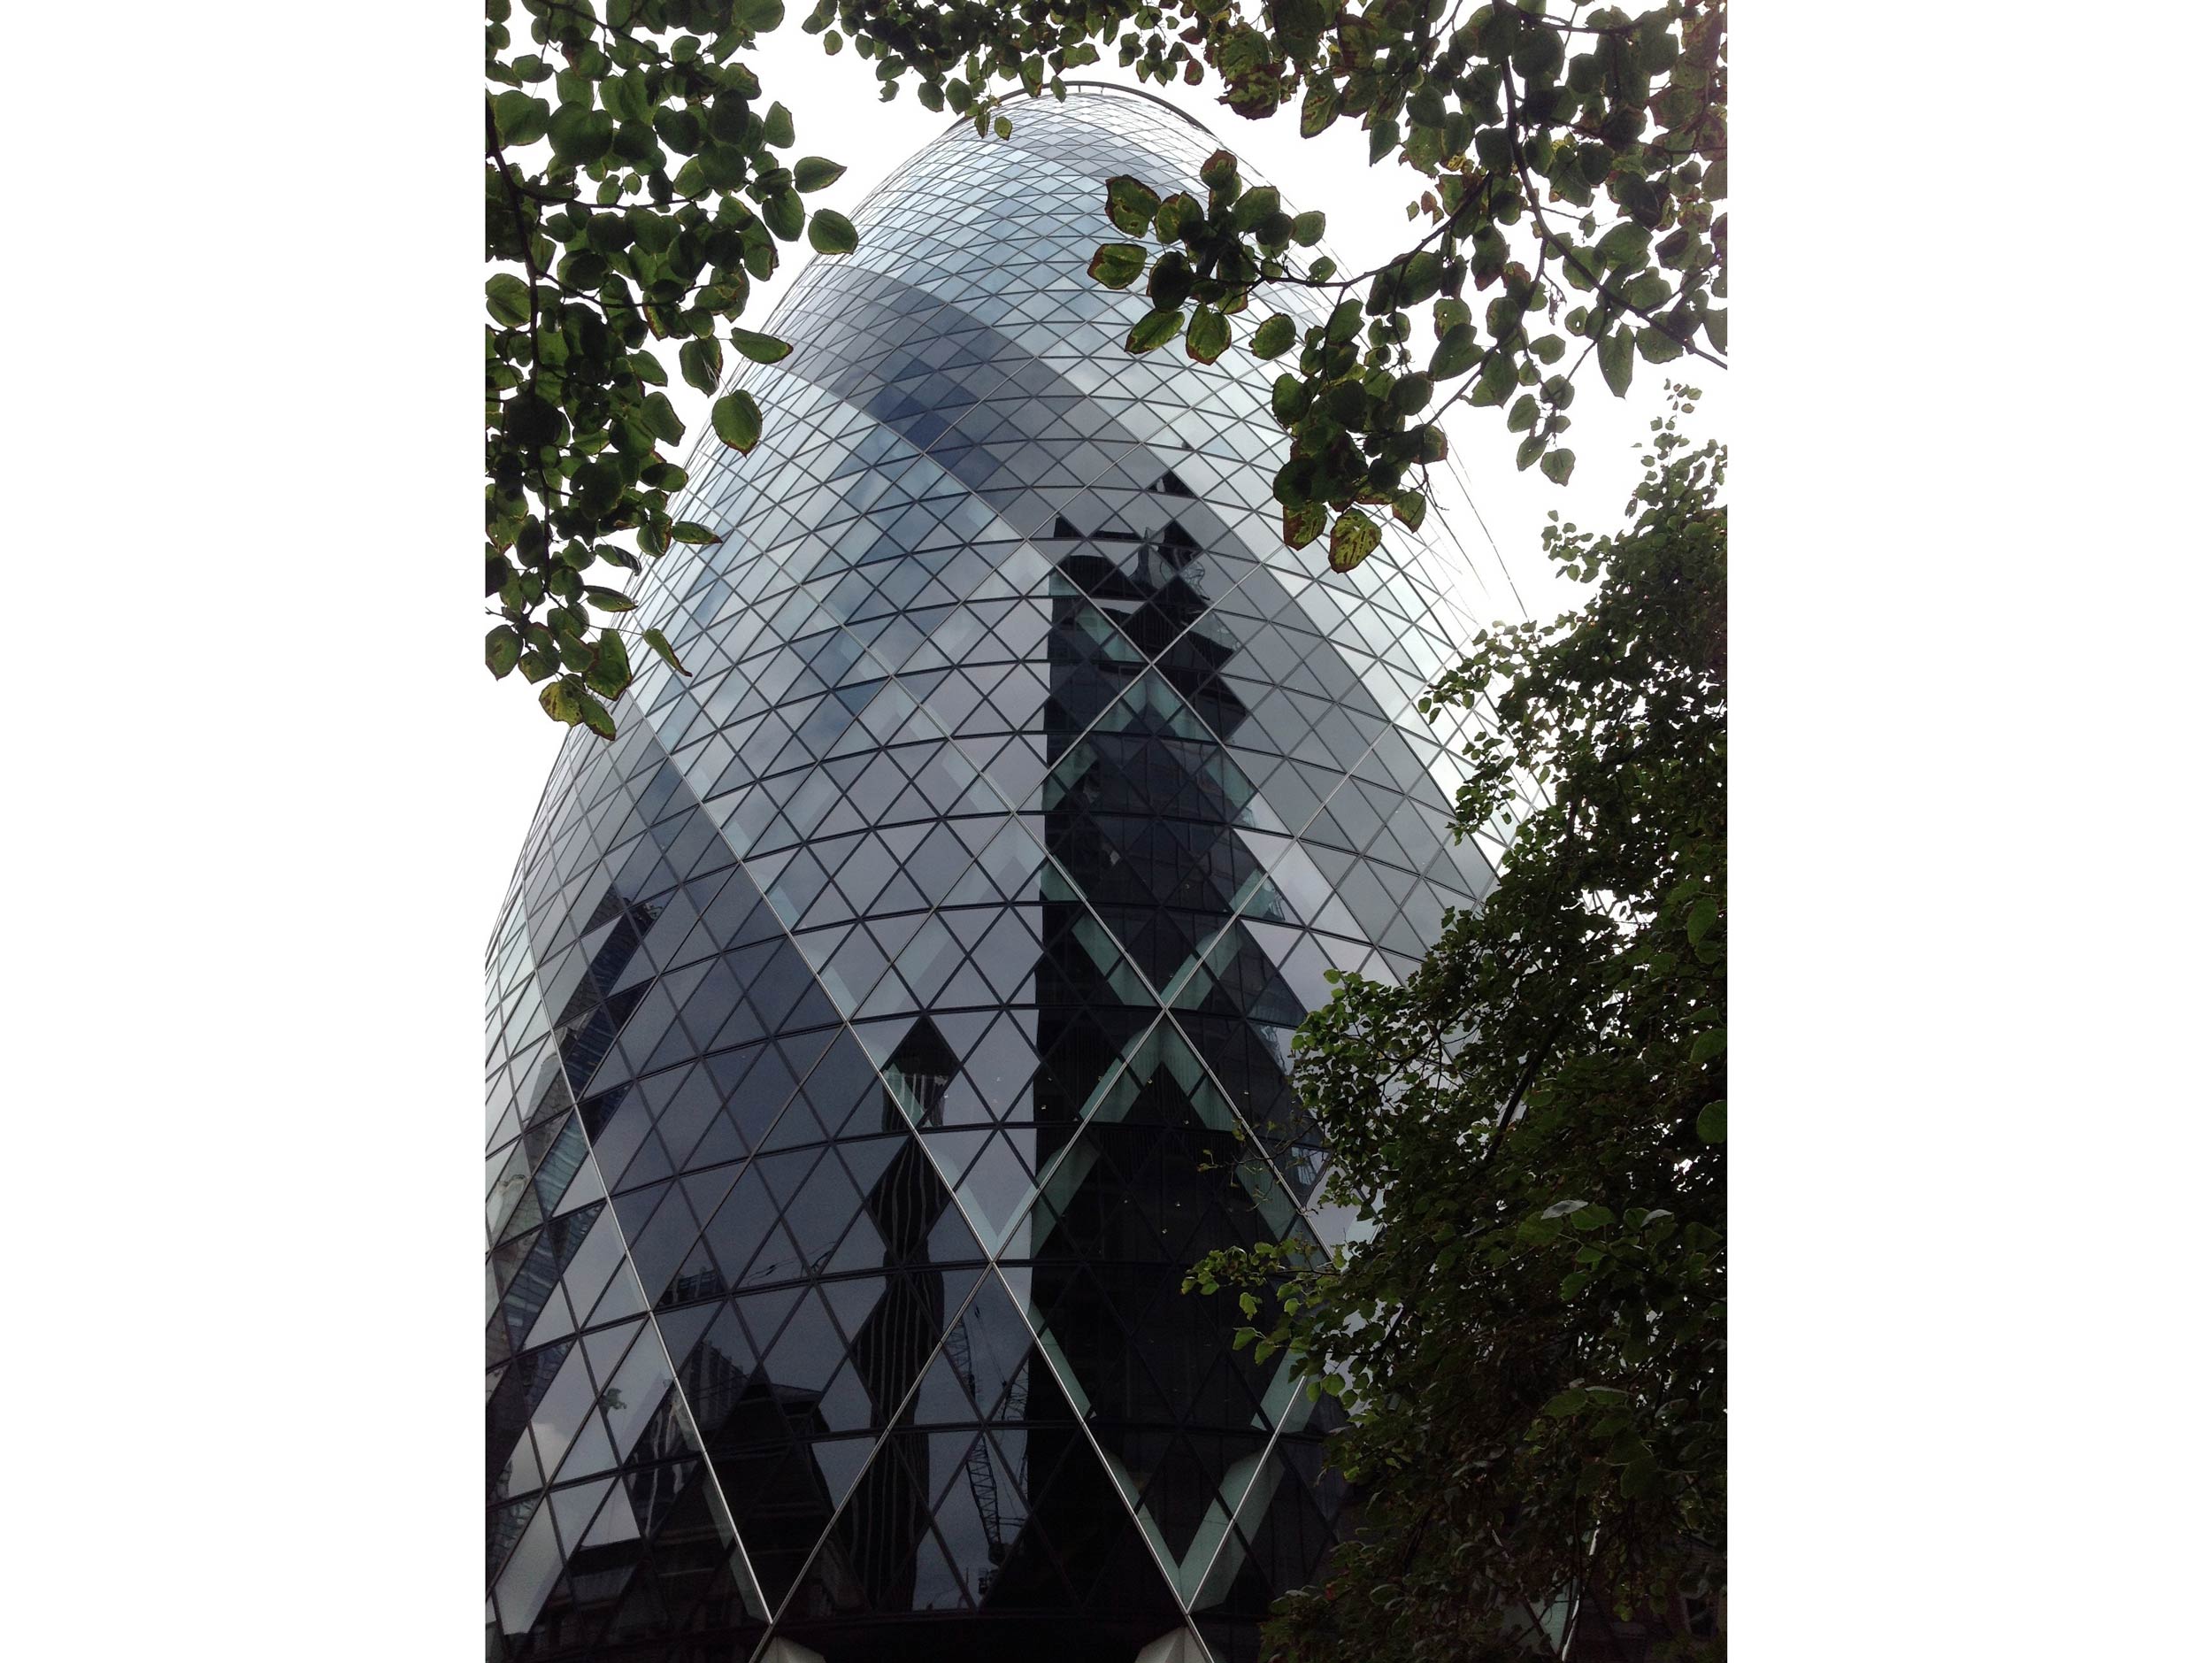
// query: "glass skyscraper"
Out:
[884,1022]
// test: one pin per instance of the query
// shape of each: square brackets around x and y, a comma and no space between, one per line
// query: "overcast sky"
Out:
[838,114]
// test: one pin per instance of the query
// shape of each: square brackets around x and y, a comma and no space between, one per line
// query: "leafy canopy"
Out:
[641,200]
[1570,165]
[1531,1342]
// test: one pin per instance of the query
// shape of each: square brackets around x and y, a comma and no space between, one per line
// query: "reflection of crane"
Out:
[982,1479]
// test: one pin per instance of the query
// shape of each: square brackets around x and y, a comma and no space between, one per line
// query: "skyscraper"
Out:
[881,1025]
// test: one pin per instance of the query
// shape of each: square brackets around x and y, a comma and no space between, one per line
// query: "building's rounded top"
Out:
[1113,90]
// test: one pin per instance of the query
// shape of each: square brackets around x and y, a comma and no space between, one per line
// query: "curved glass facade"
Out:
[884,1022]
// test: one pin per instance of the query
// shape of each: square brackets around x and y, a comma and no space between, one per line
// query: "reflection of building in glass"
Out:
[888,1018]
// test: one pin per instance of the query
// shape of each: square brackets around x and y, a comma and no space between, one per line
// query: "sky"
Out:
[837,114]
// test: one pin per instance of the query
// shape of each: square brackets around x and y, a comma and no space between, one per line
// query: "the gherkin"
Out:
[880,1026]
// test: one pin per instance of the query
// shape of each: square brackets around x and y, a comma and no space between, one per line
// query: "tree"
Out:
[660,124]
[1571,167]
[1530,1343]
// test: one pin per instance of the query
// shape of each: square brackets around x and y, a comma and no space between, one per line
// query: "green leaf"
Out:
[596,486]
[1495,383]
[1254,207]
[1418,277]
[816,173]
[785,214]
[761,349]
[1523,415]
[661,418]
[507,297]
[1117,265]
[1171,282]
[567,700]
[1617,360]
[832,233]
[1219,171]
[1130,205]
[760,16]
[1274,337]
[1703,915]
[724,166]
[1455,353]
[1567,1403]
[1558,465]
[1209,337]
[692,531]
[1250,1303]
[1302,525]
[776,125]
[659,644]
[701,364]
[1625,244]
[609,600]
[1712,1122]
[502,646]
[581,136]
[1001,126]
[1344,322]
[1409,395]
[1656,346]
[737,420]
[678,129]
[609,671]
[1411,508]
[1154,329]
[1319,108]
[520,118]
[1352,539]
[594,715]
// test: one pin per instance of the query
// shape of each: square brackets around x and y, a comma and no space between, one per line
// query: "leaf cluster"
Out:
[1355,440]
[1531,1341]
[1570,171]
[635,189]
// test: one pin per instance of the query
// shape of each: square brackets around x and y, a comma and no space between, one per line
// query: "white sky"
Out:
[836,113]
